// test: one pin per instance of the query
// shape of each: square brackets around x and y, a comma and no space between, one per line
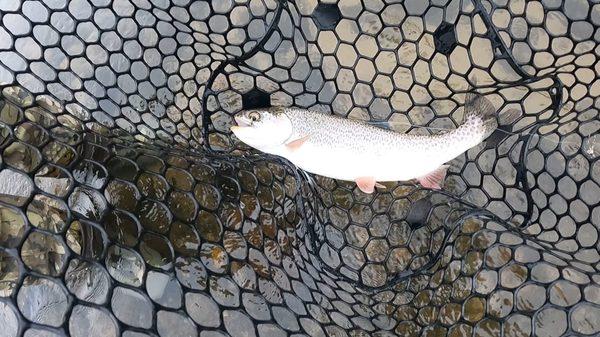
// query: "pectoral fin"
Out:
[296,144]
[434,179]
[367,184]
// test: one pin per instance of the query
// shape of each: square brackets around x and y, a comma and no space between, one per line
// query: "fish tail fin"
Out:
[481,114]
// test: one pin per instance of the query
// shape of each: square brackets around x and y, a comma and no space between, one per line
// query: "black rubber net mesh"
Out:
[128,208]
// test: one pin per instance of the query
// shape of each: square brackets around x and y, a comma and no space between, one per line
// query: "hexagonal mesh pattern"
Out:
[128,208]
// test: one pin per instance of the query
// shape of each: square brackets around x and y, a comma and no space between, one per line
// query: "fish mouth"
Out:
[242,121]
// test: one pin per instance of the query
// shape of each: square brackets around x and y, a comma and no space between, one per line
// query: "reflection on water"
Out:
[592,146]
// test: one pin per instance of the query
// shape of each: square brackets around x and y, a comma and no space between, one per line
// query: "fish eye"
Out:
[254,116]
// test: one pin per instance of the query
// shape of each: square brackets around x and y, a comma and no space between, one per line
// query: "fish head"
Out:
[263,128]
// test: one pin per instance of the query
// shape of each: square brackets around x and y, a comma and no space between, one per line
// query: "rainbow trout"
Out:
[357,151]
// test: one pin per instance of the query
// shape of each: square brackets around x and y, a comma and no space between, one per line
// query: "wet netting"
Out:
[127,208]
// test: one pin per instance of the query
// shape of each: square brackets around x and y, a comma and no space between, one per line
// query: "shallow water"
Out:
[117,216]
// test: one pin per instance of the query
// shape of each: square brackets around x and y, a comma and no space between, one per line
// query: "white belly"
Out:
[348,165]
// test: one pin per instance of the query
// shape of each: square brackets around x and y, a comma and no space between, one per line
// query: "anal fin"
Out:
[435,179]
